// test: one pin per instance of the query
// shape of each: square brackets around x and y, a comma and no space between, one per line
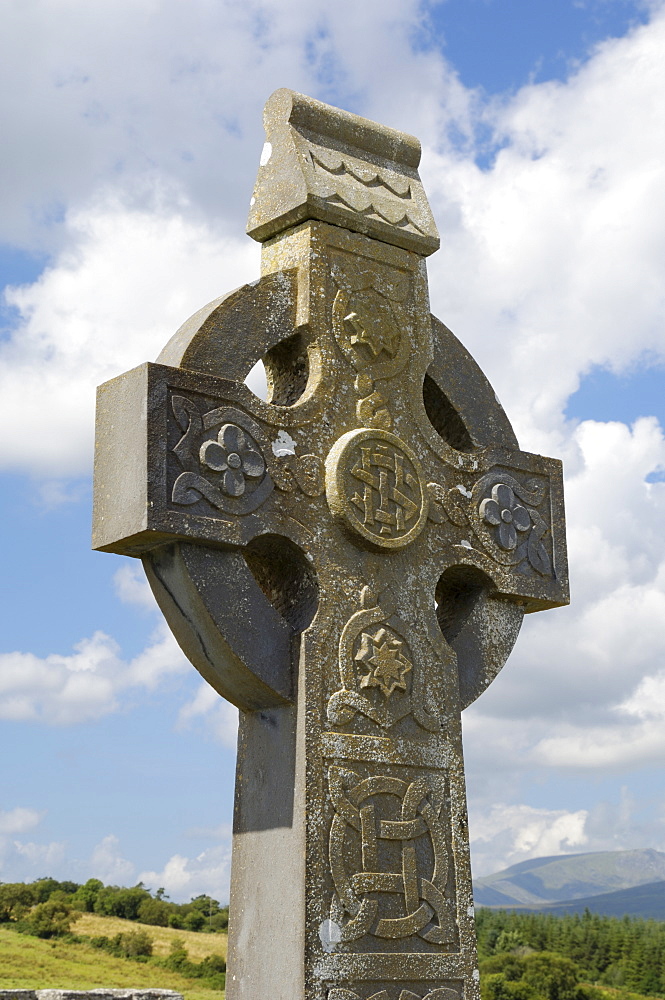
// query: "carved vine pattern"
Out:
[510,532]
[371,327]
[225,460]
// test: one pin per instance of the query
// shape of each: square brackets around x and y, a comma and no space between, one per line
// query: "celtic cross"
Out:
[348,562]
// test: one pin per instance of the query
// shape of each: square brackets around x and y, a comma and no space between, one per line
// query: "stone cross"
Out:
[348,562]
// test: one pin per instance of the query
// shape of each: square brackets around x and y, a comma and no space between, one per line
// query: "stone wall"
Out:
[100,994]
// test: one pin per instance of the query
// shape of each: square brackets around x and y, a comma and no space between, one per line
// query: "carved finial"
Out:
[323,163]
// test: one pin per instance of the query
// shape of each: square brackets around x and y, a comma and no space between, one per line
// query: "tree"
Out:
[496,987]
[206,904]
[552,976]
[194,920]
[510,966]
[43,887]
[220,920]
[510,941]
[132,944]
[51,919]
[85,896]
[114,901]
[178,957]
[16,898]
[155,912]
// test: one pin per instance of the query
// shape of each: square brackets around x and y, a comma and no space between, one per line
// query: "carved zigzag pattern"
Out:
[362,203]
[364,188]
[334,163]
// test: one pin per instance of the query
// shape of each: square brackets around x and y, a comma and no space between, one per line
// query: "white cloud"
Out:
[21,860]
[18,820]
[107,864]
[26,860]
[111,301]
[539,291]
[152,169]
[571,692]
[184,877]
[648,700]
[504,834]
[551,259]
[35,858]
[85,685]
[507,834]
[132,587]
[634,737]
[112,91]
[181,876]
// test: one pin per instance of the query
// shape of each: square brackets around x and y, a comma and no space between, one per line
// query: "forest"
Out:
[530,955]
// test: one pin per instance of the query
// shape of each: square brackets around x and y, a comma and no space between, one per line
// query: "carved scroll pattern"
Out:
[222,458]
[380,809]
[504,515]
[305,472]
[226,460]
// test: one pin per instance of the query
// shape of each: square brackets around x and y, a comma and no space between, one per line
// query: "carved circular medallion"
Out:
[374,483]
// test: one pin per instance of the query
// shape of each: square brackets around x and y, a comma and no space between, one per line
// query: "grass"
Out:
[198,945]
[31,963]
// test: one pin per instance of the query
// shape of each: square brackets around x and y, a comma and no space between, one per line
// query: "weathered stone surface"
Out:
[323,163]
[348,562]
[100,994]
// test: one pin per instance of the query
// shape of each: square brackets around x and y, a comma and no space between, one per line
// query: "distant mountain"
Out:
[646,901]
[564,879]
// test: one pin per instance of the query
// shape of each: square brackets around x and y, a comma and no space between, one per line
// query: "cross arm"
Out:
[185,456]
[189,475]
[505,517]
[501,552]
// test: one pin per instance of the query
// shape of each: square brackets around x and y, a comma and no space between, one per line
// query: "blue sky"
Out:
[133,132]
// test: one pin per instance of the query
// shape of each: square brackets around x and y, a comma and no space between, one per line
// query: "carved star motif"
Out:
[370,323]
[381,655]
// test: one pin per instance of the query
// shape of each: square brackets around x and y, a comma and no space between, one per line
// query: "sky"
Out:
[131,137]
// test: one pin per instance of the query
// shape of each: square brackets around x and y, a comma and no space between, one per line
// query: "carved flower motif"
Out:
[503,511]
[236,456]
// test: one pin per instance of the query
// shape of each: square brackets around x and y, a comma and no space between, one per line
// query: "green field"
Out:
[522,956]
[199,945]
[31,963]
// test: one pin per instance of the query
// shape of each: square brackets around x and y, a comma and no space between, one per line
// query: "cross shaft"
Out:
[348,562]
